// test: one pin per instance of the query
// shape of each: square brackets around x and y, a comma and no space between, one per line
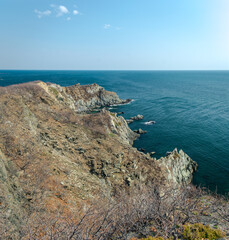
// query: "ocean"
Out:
[191,110]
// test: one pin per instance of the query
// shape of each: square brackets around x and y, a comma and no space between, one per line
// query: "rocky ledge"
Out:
[88,97]
[55,156]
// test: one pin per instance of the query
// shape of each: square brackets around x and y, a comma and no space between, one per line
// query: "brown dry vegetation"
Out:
[140,213]
[69,175]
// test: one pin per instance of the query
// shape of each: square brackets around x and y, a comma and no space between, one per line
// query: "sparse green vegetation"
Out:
[195,231]
[111,134]
[199,231]
[149,238]
[54,91]
[117,124]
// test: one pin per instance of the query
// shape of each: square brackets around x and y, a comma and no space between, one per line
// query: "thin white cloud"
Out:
[107,26]
[63,10]
[60,10]
[41,14]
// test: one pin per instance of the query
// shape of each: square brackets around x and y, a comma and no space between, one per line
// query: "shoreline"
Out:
[56,157]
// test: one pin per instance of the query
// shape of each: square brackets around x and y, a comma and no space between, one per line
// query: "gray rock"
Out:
[140,131]
[152,153]
[179,167]
[88,97]
[129,121]
[142,149]
[150,122]
[168,153]
[136,118]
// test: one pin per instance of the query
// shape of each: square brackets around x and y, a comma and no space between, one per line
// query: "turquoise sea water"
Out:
[191,110]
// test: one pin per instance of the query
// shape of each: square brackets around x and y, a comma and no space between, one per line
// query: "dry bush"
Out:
[139,213]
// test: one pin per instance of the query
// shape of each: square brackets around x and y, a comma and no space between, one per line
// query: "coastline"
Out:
[56,156]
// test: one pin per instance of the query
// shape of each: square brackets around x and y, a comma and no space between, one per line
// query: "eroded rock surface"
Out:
[179,167]
[56,157]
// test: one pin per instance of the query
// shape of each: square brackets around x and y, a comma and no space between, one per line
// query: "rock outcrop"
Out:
[88,97]
[179,167]
[140,131]
[135,118]
[55,156]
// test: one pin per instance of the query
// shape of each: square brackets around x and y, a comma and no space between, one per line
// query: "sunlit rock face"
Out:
[179,167]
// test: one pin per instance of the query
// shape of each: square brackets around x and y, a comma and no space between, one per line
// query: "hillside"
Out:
[58,156]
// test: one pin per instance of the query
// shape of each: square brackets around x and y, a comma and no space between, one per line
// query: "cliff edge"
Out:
[55,155]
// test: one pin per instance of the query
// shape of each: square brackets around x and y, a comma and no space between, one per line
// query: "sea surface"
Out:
[191,110]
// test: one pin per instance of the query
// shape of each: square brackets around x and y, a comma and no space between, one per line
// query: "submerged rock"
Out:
[150,122]
[142,149]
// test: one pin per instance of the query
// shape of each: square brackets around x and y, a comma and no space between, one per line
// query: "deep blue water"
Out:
[191,110]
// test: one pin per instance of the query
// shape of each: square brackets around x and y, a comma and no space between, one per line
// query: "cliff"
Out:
[55,155]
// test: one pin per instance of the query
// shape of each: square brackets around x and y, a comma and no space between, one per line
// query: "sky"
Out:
[114,34]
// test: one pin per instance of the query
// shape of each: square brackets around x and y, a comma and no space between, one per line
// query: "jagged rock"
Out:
[88,97]
[136,118]
[129,121]
[152,153]
[142,149]
[179,167]
[140,131]
[168,153]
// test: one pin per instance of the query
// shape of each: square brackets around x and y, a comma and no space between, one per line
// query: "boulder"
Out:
[152,153]
[129,121]
[136,118]
[140,131]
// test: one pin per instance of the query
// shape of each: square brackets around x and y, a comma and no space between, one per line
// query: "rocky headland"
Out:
[56,155]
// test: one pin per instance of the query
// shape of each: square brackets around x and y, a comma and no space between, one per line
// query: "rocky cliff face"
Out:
[179,167]
[54,156]
[92,96]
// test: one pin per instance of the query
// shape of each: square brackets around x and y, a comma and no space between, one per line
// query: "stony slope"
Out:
[56,156]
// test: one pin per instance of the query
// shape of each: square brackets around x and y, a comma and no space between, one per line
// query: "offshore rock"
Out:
[152,153]
[140,131]
[135,118]
[138,117]
[129,121]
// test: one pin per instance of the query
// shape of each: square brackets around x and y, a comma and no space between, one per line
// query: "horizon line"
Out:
[114,70]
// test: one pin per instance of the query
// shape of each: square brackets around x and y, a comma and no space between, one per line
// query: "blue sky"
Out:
[114,34]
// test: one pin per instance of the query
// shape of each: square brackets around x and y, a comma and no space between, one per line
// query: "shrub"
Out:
[199,231]
[149,238]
